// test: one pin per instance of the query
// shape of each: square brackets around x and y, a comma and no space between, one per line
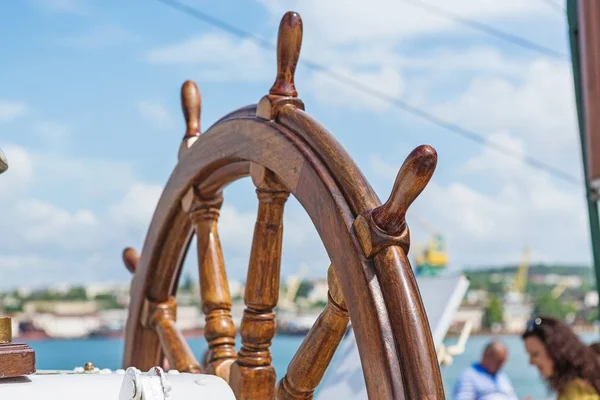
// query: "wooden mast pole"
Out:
[584,36]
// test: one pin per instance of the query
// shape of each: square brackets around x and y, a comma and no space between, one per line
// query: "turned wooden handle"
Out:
[131,258]
[161,317]
[414,175]
[3,162]
[289,42]
[191,103]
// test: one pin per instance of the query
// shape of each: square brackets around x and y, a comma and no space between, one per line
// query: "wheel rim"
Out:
[366,241]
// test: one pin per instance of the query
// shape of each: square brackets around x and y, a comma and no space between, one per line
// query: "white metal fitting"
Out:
[151,385]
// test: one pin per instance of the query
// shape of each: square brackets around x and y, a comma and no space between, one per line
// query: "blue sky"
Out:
[90,122]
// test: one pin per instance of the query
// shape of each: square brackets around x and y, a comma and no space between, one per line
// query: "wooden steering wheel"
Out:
[370,280]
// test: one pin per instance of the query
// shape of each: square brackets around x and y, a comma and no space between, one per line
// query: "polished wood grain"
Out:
[283,92]
[191,104]
[346,174]
[414,175]
[287,152]
[307,368]
[159,281]
[131,259]
[410,326]
[161,318]
[304,174]
[213,185]
[252,376]
[384,236]
[289,42]
[363,200]
[16,359]
[214,287]
[385,225]
[203,206]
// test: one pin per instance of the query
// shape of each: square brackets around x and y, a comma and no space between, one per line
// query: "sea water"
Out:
[108,353]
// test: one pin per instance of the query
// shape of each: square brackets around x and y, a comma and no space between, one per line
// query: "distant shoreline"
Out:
[579,329]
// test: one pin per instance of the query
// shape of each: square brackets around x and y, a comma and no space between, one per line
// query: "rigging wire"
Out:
[396,102]
[490,30]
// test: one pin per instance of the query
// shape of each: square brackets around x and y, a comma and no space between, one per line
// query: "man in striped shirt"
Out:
[485,380]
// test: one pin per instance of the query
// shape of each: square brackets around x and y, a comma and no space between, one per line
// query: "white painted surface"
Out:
[106,385]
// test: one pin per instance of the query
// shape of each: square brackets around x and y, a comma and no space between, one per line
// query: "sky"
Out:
[90,122]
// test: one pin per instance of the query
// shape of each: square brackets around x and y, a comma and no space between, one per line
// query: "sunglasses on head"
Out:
[533,324]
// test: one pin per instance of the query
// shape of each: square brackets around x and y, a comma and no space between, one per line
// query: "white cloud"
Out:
[87,178]
[236,227]
[137,206]
[19,174]
[301,242]
[57,236]
[476,59]
[100,37]
[44,223]
[352,21]
[381,41]
[540,107]
[155,111]
[218,56]
[331,92]
[59,240]
[484,226]
[11,110]
[489,160]
[358,41]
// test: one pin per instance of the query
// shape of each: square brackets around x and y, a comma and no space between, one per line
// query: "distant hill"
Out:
[559,269]
[481,277]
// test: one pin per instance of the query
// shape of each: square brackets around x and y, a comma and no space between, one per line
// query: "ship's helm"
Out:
[371,283]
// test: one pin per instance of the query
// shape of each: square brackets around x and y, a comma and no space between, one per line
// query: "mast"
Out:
[584,38]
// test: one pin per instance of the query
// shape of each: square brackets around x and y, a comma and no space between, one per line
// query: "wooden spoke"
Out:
[204,214]
[371,282]
[161,317]
[214,287]
[253,376]
[308,366]
[384,236]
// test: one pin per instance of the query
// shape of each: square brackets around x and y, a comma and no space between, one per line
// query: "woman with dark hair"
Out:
[569,367]
[596,347]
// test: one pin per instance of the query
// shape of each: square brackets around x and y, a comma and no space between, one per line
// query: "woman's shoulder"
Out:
[579,389]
